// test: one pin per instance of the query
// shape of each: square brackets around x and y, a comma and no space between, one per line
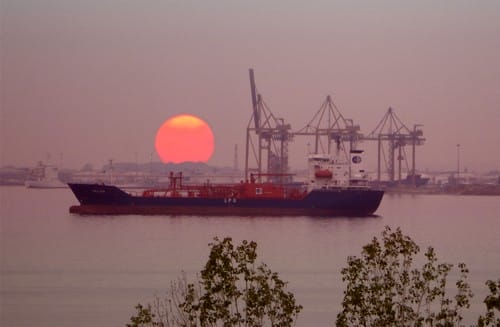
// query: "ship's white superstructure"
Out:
[326,171]
[44,176]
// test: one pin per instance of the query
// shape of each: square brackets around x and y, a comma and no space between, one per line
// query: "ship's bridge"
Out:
[326,171]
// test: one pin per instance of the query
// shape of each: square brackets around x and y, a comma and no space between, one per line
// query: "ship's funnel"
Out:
[358,174]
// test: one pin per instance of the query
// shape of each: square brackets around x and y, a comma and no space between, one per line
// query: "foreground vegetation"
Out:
[232,291]
[383,289]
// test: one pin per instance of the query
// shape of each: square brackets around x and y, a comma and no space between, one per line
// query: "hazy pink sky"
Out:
[95,79]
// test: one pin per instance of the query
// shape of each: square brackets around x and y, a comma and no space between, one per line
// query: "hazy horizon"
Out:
[89,81]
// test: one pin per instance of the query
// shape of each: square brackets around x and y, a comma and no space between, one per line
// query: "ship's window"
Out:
[258,190]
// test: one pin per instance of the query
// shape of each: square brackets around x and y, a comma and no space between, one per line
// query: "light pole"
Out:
[150,164]
[136,167]
[458,164]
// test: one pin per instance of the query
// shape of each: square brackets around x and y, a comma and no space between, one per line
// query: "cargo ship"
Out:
[334,188]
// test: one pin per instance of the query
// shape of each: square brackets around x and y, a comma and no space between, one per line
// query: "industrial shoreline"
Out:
[475,185]
[462,189]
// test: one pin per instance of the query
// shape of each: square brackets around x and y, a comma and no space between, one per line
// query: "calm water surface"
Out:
[59,269]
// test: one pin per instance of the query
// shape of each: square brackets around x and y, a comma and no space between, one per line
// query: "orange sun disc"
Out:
[184,138]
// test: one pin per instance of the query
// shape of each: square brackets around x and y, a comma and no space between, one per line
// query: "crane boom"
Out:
[256,118]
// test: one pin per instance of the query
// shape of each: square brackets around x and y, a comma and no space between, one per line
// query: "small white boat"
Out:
[44,176]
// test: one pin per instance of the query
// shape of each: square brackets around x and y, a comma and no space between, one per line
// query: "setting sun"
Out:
[184,138]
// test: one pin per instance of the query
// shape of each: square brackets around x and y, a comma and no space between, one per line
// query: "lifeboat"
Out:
[323,173]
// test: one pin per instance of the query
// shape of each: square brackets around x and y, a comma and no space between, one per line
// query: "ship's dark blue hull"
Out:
[105,199]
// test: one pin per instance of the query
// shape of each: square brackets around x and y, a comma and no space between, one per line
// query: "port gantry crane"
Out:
[268,136]
[395,135]
[329,125]
[267,139]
